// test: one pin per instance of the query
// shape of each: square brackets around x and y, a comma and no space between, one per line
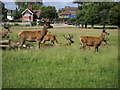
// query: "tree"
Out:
[91,14]
[78,2]
[104,17]
[80,16]
[48,12]
[96,13]
[104,8]
[23,4]
[37,6]
[17,14]
[114,15]
[4,11]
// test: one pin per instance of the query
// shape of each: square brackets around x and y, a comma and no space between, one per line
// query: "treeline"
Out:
[99,13]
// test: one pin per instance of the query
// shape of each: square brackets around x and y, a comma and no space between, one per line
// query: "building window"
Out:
[27,14]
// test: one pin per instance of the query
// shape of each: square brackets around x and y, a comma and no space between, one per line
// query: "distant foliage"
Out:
[4,11]
[99,13]
[114,15]
[48,12]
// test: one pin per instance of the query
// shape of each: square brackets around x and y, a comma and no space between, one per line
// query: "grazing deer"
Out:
[5,33]
[33,36]
[51,38]
[69,39]
[93,41]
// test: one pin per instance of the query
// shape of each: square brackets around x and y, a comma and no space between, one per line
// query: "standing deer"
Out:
[33,36]
[69,39]
[51,38]
[5,33]
[103,43]
[93,41]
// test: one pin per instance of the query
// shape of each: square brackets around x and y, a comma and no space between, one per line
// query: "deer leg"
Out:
[81,45]
[22,41]
[38,44]
[43,41]
[96,49]
[52,42]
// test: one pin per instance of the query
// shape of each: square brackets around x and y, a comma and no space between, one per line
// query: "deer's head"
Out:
[105,33]
[45,27]
[69,38]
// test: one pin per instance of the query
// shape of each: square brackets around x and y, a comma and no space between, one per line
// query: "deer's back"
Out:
[29,33]
[89,39]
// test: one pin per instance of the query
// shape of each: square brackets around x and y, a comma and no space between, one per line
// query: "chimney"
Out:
[30,6]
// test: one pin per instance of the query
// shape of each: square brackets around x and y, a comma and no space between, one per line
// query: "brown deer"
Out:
[51,38]
[104,44]
[33,36]
[5,33]
[93,41]
[69,39]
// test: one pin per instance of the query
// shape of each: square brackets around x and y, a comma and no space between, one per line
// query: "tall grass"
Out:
[62,67]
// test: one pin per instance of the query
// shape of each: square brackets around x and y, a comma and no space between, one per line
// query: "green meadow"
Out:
[61,66]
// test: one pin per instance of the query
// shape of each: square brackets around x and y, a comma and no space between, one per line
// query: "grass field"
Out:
[62,67]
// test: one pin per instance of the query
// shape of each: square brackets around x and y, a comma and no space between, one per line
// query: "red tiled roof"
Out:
[67,11]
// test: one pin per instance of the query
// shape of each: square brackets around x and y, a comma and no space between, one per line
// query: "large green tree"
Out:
[48,12]
[114,15]
[4,11]
[104,8]
[91,15]
[99,13]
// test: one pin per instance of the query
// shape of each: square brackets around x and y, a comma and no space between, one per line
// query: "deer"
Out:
[69,39]
[33,36]
[5,33]
[93,41]
[104,44]
[51,38]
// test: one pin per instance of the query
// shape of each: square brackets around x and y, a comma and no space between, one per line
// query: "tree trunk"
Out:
[85,25]
[103,25]
[82,25]
[118,27]
[92,25]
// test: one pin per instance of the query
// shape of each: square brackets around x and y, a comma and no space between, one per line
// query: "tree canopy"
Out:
[4,11]
[99,13]
[48,12]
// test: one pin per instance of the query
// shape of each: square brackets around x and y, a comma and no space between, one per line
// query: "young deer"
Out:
[93,41]
[51,38]
[33,36]
[69,39]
